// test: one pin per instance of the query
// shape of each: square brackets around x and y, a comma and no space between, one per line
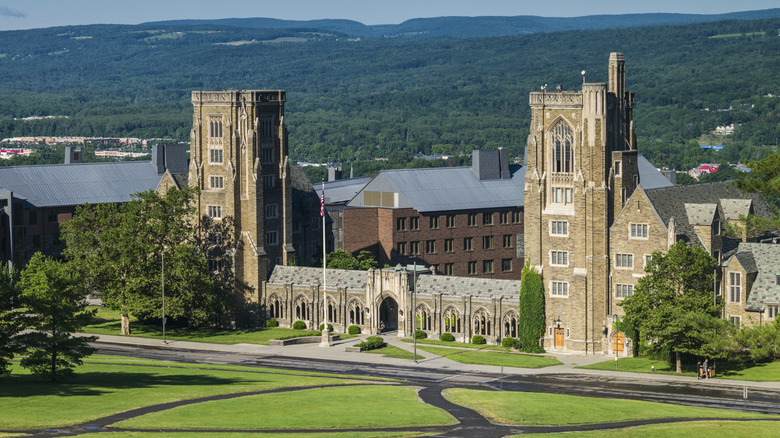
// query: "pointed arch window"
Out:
[562,154]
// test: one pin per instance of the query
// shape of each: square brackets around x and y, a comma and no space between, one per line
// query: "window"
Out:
[517,217]
[472,268]
[434,222]
[271,211]
[402,248]
[487,218]
[777,279]
[771,311]
[648,259]
[272,238]
[215,156]
[430,246]
[624,260]
[468,243]
[450,221]
[400,224]
[561,195]
[561,140]
[559,258]
[266,126]
[472,219]
[624,290]
[487,266]
[617,168]
[487,242]
[414,247]
[52,216]
[268,154]
[735,287]
[414,223]
[215,127]
[506,265]
[559,228]
[269,181]
[504,217]
[507,240]
[560,289]
[215,211]
[216,182]
[448,245]
[639,231]
[736,321]
[448,268]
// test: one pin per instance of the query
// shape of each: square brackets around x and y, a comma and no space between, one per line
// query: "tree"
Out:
[340,259]
[55,310]
[531,307]
[9,323]
[366,261]
[684,179]
[673,305]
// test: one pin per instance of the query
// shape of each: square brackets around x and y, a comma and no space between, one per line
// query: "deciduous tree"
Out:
[531,324]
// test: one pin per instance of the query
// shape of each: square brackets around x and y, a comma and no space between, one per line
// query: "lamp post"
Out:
[325,342]
[414,306]
[162,286]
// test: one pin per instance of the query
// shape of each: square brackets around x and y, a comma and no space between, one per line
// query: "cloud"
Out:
[8,12]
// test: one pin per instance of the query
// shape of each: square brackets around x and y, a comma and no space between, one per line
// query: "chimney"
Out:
[487,164]
[72,155]
[171,157]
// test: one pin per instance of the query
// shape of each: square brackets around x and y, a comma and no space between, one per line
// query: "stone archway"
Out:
[388,315]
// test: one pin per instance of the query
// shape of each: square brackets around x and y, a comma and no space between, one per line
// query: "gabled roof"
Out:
[465,286]
[701,214]
[764,290]
[343,190]
[448,189]
[649,176]
[307,276]
[733,208]
[74,184]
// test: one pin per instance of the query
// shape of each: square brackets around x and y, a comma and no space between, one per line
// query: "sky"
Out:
[30,14]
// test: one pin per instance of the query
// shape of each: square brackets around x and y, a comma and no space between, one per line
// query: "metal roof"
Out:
[343,190]
[649,176]
[74,184]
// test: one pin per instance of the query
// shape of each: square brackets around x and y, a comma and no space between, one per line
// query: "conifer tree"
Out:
[531,310]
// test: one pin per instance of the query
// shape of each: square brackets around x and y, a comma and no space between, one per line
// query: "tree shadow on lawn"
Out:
[97,383]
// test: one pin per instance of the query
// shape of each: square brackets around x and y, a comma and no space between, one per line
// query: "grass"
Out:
[459,345]
[321,408]
[709,429]
[334,434]
[492,358]
[762,372]
[107,322]
[104,389]
[395,352]
[533,409]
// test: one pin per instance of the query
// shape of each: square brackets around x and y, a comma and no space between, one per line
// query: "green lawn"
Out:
[763,372]
[103,389]
[107,323]
[533,409]
[709,429]
[395,352]
[321,408]
[458,345]
[492,358]
[157,434]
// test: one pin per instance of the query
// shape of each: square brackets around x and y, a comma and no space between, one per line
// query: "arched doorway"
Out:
[388,315]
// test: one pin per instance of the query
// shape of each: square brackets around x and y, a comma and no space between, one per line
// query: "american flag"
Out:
[322,204]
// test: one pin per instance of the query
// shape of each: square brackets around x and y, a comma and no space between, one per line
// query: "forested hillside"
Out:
[357,100]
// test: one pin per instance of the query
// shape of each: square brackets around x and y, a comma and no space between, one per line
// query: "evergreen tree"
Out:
[55,310]
[9,324]
[531,307]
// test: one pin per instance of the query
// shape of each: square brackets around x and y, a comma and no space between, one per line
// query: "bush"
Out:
[419,334]
[509,342]
[272,323]
[478,339]
[299,325]
[330,327]
[447,337]
[353,330]
[372,343]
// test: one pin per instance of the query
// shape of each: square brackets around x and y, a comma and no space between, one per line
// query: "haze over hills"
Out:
[474,27]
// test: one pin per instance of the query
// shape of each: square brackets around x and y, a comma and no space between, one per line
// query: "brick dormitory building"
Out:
[584,207]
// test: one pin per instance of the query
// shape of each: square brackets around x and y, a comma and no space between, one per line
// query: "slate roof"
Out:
[767,262]
[733,208]
[649,176]
[456,188]
[55,185]
[464,286]
[303,275]
[343,190]
[700,214]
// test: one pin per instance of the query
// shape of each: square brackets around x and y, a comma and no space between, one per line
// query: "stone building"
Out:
[380,300]
[462,221]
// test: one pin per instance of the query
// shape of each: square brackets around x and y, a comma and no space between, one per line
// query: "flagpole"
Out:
[325,332]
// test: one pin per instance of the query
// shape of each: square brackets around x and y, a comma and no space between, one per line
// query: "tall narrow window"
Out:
[562,148]
[735,287]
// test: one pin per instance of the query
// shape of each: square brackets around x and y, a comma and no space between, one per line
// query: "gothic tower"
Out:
[239,161]
[581,167]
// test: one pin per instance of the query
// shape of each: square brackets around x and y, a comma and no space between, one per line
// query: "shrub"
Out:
[419,334]
[478,339]
[299,325]
[330,327]
[353,330]
[372,343]
[509,342]
[447,337]
[272,323]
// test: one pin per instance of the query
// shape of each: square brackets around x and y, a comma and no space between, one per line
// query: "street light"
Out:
[162,286]
[414,306]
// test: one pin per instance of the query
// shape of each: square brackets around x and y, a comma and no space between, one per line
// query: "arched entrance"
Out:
[388,315]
